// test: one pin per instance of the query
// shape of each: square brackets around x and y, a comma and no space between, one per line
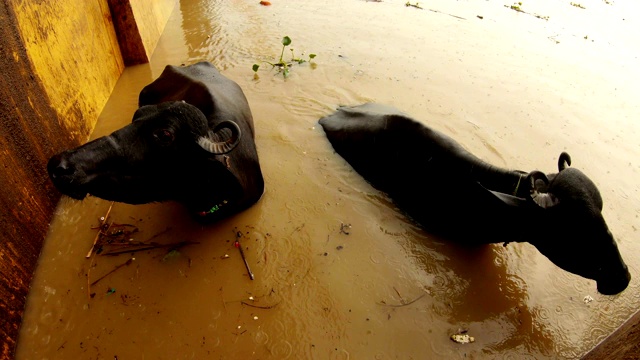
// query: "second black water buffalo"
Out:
[191,141]
[453,193]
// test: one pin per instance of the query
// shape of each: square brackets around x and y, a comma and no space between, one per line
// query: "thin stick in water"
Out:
[403,304]
[239,246]
[95,241]
[128,262]
[258,306]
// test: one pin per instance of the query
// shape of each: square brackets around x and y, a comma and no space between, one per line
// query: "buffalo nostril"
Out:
[59,167]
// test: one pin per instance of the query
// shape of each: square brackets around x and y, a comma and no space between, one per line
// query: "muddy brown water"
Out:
[514,89]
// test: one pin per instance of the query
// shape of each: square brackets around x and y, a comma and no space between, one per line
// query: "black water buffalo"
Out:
[191,141]
[453,193]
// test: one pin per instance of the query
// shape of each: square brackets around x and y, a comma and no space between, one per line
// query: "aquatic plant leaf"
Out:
[255,67]
[171,254]
[311,56]
[286,41]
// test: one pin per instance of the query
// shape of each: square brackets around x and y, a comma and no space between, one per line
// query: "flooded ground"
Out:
[339,273]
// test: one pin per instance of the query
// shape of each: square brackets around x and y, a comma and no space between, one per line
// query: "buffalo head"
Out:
[166,151]
[574,234]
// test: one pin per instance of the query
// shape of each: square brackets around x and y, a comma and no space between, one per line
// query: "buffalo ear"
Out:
[543,199]
[145,112]
[222,139]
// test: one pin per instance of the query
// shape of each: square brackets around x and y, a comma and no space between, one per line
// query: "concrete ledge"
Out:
[622,344]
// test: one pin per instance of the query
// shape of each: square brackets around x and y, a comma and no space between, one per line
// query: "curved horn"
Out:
[544,200]
[564,161]
[222,139]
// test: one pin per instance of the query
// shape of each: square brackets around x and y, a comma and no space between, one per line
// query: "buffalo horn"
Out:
[564,161]
[222,139]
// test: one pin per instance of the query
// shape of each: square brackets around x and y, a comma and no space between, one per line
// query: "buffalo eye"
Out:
[164,137]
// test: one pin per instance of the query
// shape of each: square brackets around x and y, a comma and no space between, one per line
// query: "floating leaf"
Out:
[311,56]
[171,254]
[255,67]
[286,41]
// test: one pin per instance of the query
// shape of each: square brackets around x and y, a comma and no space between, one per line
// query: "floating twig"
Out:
[102,222]
[400,296]
[298,229]
[258,306]
[516,7]
[224,303]
[345,228]
[126,263]
[147,246]
[440,12]
[404,304]
[246,264]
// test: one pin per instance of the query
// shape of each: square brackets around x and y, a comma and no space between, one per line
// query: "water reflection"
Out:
[465,278]
[220,32]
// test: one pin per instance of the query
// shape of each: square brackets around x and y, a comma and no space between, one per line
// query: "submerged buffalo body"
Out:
[453,193]
[191,141]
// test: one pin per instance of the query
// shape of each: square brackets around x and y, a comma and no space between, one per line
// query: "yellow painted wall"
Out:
[60,60]
[151,20]
[75,54]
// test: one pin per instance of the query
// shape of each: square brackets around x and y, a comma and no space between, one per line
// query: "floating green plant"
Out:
[517,6]
[282,65]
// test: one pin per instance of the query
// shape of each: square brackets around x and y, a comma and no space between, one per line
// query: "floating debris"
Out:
[170,255]
[244,259]
[587,299]
[402,302]
[103,221]
[141,246]
[462,338]
[517,7]
[126,263]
